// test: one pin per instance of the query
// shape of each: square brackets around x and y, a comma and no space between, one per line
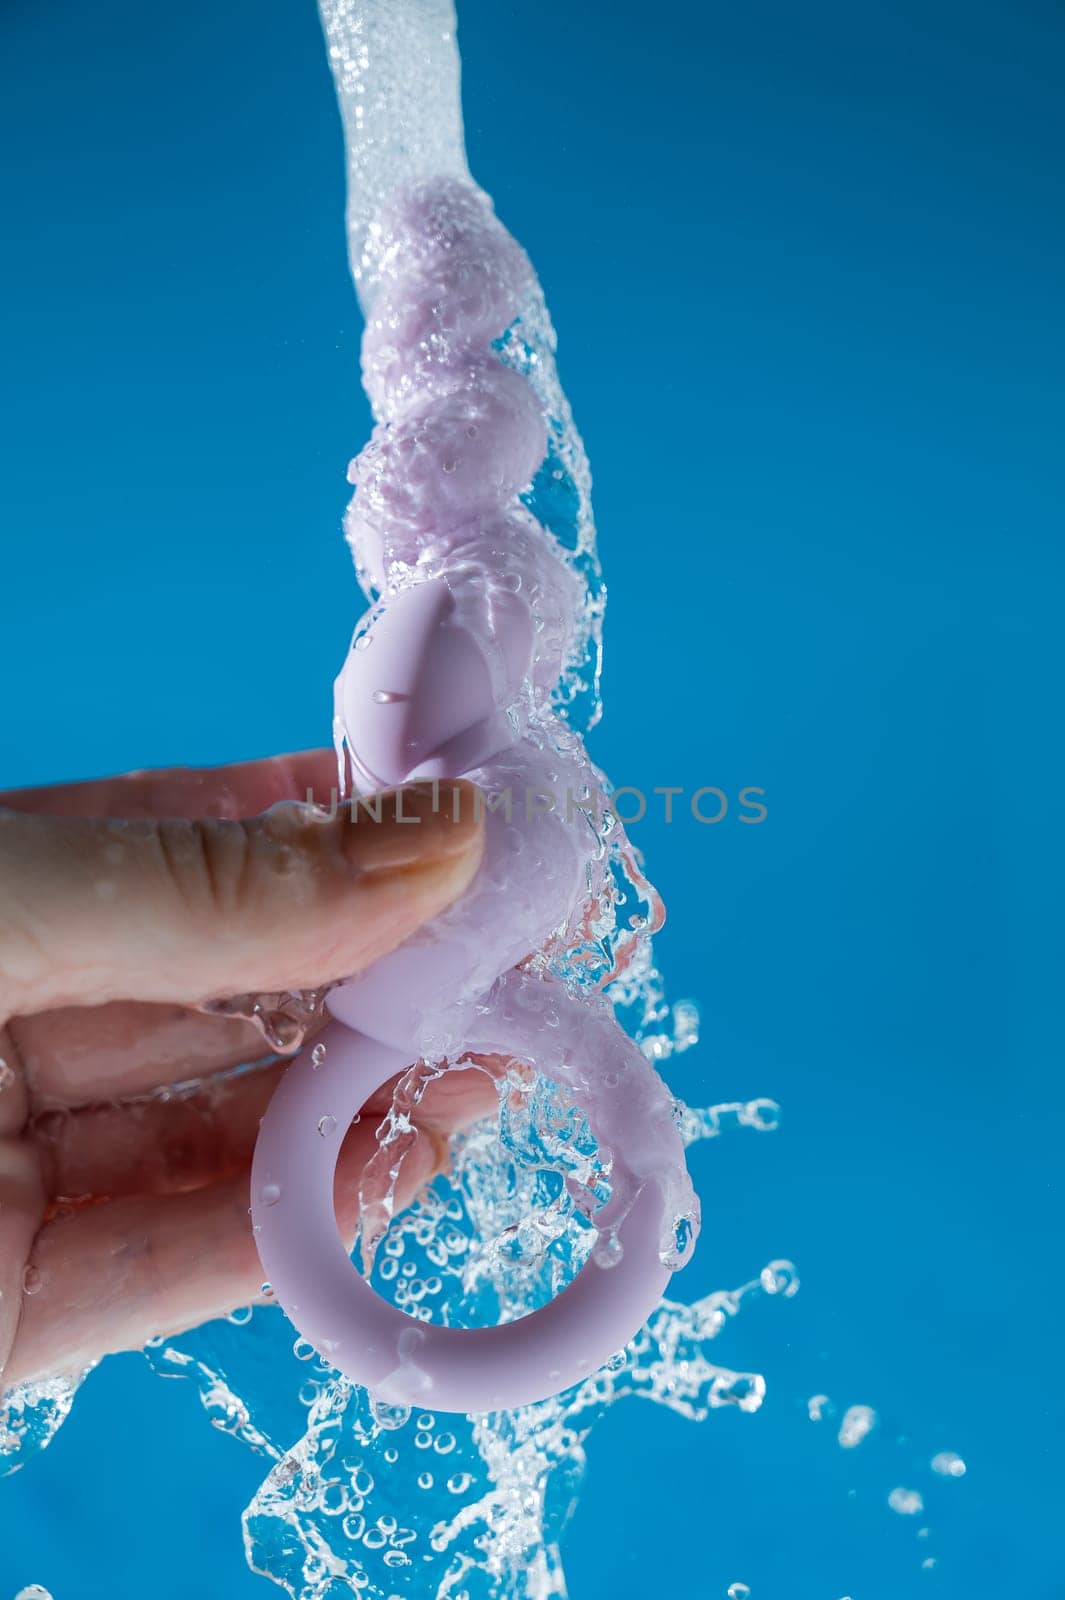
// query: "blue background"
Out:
[805,265]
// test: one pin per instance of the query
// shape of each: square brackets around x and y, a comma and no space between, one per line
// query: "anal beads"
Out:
[451,675]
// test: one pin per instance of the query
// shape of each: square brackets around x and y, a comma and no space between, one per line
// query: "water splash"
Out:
[284,1019]
[391,1501]
[30,1417]
[384,1501]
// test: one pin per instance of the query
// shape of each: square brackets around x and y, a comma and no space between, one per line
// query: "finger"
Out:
[111,1277]
[460,1095]
[239,790]
[179,911]
[170,1142]
[79,1055]
[22,1207]
[176,1142]
[14,1095]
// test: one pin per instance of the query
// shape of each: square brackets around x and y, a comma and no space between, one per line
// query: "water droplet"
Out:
[681,1248]
[949,1465]
[327,1125]
[31,1279]
[449,466]
[388,697]
[388,1417]
[317,1056]
[762,1115]
[857,1421]
[685,1025]
[780,1277]
[608,1249]
[907,1502]
[7,1078]
[270,1194]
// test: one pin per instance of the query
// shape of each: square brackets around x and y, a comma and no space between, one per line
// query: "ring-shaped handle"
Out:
[398,1358]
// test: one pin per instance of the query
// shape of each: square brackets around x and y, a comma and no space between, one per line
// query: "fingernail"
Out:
[416,825]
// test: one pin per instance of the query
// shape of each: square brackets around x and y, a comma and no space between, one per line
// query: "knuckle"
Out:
[206,865]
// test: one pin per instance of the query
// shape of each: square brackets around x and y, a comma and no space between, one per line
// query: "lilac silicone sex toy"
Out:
[451,674]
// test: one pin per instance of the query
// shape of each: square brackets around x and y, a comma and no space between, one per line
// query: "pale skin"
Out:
[124,1213]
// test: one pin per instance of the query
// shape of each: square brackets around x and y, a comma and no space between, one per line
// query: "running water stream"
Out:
[365,1498]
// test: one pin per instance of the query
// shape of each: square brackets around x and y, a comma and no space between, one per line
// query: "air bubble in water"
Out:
[907,1502]
[949,1465]
[327,1126]
[318,1056]
[738,1591]
[7,1078]
[34,1591]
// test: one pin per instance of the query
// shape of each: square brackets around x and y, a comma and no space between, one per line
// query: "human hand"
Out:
[124,1208]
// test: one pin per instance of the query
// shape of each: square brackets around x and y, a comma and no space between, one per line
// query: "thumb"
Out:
[184,911]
